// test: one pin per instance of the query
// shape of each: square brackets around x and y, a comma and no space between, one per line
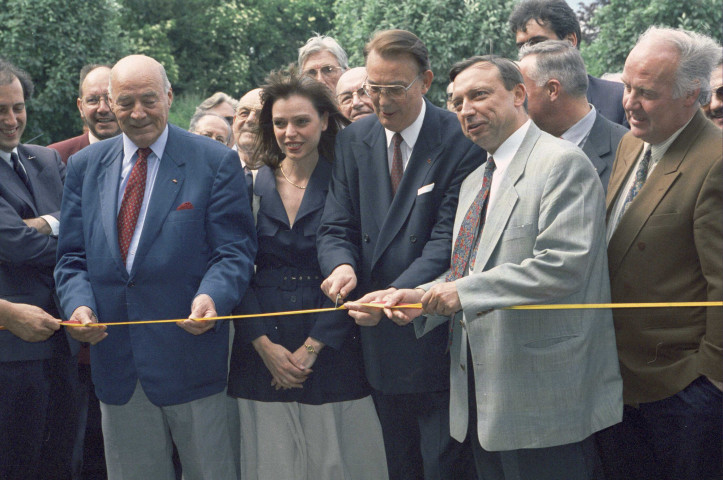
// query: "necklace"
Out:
[287,179]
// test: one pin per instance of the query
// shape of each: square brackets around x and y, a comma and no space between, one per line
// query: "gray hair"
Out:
[698,55]
[318,43]
[193,126]
[217,99]
[560,60]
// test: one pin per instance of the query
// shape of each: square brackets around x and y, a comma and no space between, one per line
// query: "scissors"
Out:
[336,303]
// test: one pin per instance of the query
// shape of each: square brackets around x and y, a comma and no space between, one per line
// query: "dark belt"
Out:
[287,278]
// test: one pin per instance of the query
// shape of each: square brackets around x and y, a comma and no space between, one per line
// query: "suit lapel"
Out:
[315,193]
[506,198]
[265,187]
[597,144]
[14,185]
[653,191]
[169,181]
[108,184]
[424,155]
[626,157]
[374,173]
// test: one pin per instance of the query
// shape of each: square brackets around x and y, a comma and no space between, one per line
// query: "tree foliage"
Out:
[451,30]
[231,45]
[620,22]
[227,45]
[52,40]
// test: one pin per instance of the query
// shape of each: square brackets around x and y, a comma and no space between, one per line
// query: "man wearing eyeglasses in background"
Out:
[353,101]
[323,59]
[387,224]
[714,109]
[94,110]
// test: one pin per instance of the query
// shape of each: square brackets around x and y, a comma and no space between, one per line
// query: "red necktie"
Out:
[132,201]
[397,168]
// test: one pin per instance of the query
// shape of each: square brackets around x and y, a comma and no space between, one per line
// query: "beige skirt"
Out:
[294,441]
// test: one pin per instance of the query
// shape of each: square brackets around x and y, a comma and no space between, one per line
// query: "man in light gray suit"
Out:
[539,382]
[556,83]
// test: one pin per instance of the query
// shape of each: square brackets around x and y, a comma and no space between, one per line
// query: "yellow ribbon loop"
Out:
[575,306]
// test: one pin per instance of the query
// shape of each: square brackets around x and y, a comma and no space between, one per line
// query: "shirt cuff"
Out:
[54,224]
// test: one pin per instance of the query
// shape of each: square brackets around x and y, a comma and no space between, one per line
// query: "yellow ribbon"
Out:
[573,306]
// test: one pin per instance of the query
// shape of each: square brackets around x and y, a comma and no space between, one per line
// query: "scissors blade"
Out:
[336,303]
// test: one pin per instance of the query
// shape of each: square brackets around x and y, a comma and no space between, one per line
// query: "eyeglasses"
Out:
[94,100]
[326,71]
[393,92]
[347,98]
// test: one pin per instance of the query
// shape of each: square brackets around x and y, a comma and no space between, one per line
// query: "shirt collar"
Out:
[411,133]
[6,155]
[579,132]
[657,151]
[92,138]
[506,152]
[158,147]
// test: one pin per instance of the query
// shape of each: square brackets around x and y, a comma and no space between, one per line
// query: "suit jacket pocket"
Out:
[189,215]
[519,231]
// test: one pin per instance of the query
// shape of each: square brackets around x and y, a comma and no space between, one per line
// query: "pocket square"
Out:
[185,206]
[425,189]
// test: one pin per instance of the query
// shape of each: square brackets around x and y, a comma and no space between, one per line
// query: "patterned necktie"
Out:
[397,168]
[464,252]
[640,176]
[20,170]
[132,200]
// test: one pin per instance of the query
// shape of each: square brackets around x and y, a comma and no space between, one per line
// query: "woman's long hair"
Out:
[282,84]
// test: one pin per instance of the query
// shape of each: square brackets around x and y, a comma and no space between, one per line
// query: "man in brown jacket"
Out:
[665,244]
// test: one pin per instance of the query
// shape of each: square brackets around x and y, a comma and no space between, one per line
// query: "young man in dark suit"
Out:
[534,21]
[387,224]
[38,370]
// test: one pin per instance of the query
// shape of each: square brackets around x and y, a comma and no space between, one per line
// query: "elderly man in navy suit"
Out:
[556,84]
[38,371]
[388,224]
[156,225]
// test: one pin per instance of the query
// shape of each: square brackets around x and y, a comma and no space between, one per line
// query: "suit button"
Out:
[131,284]
[293,299]
[641,246]
[413,239]
[366,238]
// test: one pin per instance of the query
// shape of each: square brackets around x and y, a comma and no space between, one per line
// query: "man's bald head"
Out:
[141,97]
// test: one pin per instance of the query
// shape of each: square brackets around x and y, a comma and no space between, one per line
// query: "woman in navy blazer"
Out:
[305,406]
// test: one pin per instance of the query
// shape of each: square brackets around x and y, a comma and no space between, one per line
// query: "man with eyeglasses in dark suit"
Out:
[387,224]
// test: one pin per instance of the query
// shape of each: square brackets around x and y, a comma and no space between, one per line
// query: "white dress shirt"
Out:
[503,157]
